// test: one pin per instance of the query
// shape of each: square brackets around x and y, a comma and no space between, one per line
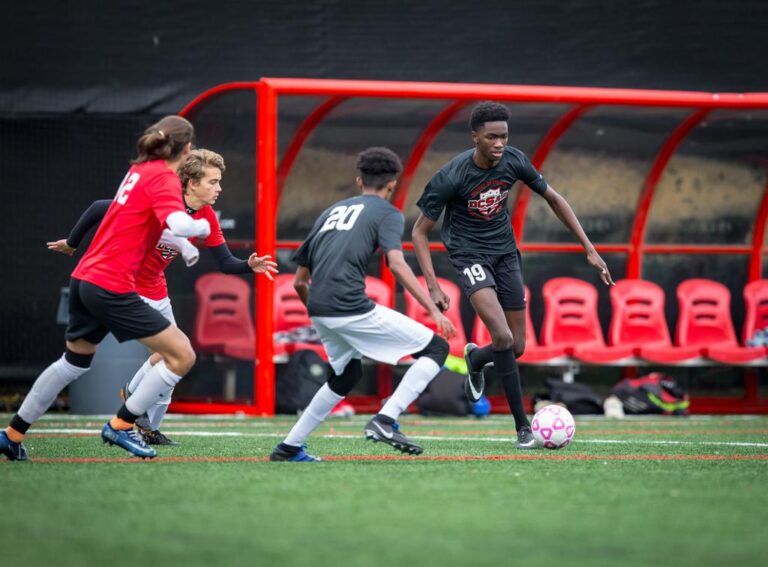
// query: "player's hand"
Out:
[262,265]
[444,326]
[594,258]
[440,298]
[61,246]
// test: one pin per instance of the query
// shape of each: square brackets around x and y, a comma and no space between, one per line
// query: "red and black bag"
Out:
[656,393]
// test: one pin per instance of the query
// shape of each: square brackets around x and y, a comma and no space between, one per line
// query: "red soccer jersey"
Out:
[149,193]
[150,281]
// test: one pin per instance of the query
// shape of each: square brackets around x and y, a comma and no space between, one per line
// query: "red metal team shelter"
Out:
[668,184]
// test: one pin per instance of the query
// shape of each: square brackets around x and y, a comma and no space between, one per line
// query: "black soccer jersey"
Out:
[477,217]
[338,249]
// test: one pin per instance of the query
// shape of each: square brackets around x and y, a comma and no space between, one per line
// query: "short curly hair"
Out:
[378,166]
[488,111]
[194,166]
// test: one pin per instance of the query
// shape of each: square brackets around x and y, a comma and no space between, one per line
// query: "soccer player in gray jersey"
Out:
[331,282]
[477,232]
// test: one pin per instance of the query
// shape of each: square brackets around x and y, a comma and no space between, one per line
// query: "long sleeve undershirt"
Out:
[90,218]
[228,263]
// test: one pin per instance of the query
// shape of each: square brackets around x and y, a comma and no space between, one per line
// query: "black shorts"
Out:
[501,271]
[94,312]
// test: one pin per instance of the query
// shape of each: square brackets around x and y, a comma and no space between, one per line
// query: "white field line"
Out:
[248,421]
[67,431]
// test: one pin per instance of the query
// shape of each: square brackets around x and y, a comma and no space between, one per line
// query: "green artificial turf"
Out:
[624,493]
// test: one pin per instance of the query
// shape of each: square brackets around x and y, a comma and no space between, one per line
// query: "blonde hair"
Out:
[194,166]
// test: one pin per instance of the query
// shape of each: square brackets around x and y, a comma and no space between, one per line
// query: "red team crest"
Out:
[167,252]
[488,199]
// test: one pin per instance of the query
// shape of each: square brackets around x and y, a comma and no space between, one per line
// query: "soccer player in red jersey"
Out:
[103,294]
[200,177]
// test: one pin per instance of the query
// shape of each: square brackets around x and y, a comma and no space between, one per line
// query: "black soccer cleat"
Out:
[525,439]
[474,382]
[142,422]
[283,452]
[14,451]
[376,430]
[156,437]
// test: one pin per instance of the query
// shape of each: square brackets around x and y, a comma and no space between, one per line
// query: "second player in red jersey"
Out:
[103,295]
[200,176]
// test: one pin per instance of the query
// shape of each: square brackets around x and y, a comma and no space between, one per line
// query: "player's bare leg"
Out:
[506,329]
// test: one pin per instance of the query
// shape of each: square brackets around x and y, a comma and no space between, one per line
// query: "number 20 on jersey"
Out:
[342,218]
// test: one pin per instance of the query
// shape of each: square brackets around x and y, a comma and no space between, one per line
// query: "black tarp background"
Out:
[80,80]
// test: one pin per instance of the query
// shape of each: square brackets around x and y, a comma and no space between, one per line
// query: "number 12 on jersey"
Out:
[125,187]
[342,218]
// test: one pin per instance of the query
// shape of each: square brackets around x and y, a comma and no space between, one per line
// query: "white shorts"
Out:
[382,334]
[163,306]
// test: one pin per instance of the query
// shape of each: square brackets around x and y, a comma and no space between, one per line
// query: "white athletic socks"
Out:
[157,412]
[157,385]
[413,383]
[315,413]
[139,376]
[47,386]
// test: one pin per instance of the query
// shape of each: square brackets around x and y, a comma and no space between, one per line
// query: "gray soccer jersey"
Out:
[475,201]
[338,249]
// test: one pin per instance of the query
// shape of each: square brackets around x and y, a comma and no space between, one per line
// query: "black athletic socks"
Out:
[509,374]
[481,356]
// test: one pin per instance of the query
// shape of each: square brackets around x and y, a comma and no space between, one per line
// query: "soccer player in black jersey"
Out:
[477,232]
[330,280]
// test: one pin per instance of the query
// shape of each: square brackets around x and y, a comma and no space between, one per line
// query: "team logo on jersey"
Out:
[167,252]
[488,199]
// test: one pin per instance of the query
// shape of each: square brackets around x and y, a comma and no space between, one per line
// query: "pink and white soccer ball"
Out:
[553,427]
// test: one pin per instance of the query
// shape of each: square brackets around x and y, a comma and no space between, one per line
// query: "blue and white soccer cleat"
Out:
[128,439]
[287,453]
[14,451]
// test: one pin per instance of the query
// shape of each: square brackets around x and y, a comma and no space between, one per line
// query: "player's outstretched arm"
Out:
[301,283]
[565,213]
[229,264]
[403,273]
[90,218]
[420,237]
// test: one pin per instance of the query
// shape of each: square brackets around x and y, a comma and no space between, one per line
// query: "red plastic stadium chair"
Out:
[289,313]
[705,322]
[756,302]
[378,291]
[534,352]
[638,321]
[415,311]
[571,322]
[223,323]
